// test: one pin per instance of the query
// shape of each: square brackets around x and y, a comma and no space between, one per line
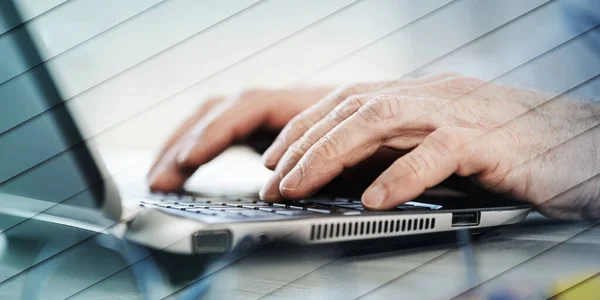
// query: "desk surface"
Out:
[527,257]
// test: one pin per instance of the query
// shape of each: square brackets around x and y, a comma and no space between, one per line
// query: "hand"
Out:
[218,123]
[532,146]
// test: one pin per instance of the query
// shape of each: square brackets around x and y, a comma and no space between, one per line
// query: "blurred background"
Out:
[132,70]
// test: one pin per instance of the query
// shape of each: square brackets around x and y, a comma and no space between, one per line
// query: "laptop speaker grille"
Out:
[366,228]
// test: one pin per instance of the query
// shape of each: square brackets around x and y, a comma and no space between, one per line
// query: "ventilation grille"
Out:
[365,228]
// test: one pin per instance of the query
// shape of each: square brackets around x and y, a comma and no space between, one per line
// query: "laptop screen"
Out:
[42,153]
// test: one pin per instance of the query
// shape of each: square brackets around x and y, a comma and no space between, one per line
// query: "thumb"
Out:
[444,152]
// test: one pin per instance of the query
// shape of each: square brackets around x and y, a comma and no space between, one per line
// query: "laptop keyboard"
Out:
[244,208]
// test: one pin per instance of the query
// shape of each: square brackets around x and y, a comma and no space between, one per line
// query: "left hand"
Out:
[530,145]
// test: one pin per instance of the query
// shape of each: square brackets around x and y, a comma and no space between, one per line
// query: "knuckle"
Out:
[348,90]
[445,141]
[345,109]
[379,108]
[297,150]
[301,123]
[412,166]
[327,147]
[396,106]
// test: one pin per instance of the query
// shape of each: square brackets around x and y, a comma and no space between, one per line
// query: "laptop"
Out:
[52,174]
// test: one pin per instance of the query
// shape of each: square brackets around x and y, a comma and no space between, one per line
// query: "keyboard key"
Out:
[295,212]
[179,206]
[208,205]
[319,210]
[421,204]
[412,207]
[272,208]
[352,213]
[352,206]
[254,206]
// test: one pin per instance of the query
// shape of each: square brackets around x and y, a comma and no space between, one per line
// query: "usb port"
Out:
[465,219]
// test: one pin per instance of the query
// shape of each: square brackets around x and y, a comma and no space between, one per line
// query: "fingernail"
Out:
[374,196]
[185,151]
[291,181]
[266,195]
[269,157]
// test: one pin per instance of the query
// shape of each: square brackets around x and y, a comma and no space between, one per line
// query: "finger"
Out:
[167,156]
[232,120]
[210,134]
[191,121]
[268,109]
[208,137]
[293,154]
[270,191]
[442,153]
[304,121]
[355,139]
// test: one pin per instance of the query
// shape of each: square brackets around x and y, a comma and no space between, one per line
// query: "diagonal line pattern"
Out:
[586,131]
[119,123]
[138,63]
[454,248]
[441,255]
[156,251]
[113,27]
[124,121]
[238,260]
[346,56]
[556,97]
[529,259]
[7,229]
[344,254]
[170,97]
[565,241]
[595,276]
[467,43]
[38,16]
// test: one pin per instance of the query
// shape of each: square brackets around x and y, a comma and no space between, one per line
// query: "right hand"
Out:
[218,123]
